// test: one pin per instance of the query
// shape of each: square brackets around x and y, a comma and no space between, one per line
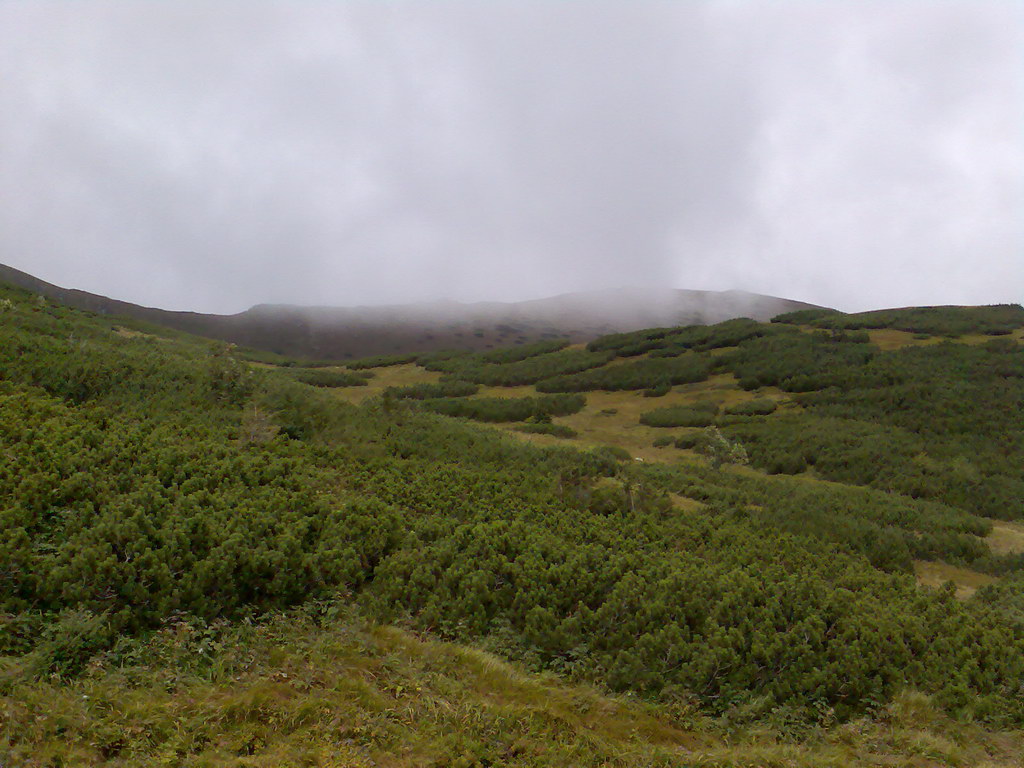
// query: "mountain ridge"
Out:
[342,332]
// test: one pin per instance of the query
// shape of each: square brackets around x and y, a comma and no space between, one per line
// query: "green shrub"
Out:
[697,415]
[555,430]
[613,452]
[449,388]
[934,321]
[761,407]
[497,409]
[380,361]
[659,391]
[688,441]
[319,377]
[638,374]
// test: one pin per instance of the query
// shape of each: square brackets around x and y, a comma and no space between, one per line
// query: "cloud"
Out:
[214,157]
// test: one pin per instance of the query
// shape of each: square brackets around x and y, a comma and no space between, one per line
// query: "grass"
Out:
[888,338]
[391,376]
[936,573]
[1006,538]
[129,333]
[596,425]
[323,687]
[612,419]
[326,688]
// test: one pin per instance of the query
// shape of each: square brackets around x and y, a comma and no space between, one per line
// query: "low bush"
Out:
[380,361]
[498,409]
[426,390]
[555,430]
[639,374]
[698,415]
[761,407]
[320,377]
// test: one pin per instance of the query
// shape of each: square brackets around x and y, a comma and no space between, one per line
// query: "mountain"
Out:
[338,333]
[796,543]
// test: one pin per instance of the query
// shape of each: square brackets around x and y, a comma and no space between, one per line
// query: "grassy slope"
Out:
[612,419]
[316,688]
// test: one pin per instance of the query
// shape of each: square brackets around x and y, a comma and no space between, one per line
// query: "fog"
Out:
[215,156]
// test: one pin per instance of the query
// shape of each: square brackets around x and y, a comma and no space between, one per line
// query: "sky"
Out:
[213,156]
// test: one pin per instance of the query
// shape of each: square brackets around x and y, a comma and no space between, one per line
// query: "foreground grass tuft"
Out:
[323,687]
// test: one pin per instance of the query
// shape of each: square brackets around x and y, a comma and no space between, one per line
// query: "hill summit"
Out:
[339,333]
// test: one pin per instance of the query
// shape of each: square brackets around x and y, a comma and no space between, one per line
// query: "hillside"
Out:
[339,333]
[457,559]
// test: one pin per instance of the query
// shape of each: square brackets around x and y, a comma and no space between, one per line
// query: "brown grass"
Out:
[887,338]
[1006,538]
[294,692]
[391,376]
[936,573]
[128,333]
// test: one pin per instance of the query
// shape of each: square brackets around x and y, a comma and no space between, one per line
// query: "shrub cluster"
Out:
[320,377]
[128,495]
[507,408]
[759,407]
[555,430]
[637,374]
[694,415]
[519,372]
[998,319]
[380,361]
[427,390]
[670,342]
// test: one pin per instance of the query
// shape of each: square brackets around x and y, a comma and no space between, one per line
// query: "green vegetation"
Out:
[540,364]
[506,408]
[379,361]
[669,342]
[319,377]
[696,415]
[556,430]
[321,686]
[427,390]
[171,515]
[761,407]
[639,374]
[798,362]
[515,354]
[999,319]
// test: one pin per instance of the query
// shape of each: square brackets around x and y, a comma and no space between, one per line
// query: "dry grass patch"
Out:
[936,573]
[128,333]
[1006,538]
[298,692]
[685,503]
[888,338]
[613,418]
[391,376]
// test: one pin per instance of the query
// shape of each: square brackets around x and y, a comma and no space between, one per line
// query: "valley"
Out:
[786,543]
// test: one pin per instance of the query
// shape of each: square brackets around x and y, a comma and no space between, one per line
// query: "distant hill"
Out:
[339,333]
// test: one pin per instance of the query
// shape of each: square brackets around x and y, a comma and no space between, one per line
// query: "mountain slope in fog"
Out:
[349,332]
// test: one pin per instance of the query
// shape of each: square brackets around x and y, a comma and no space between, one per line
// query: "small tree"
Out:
[257,425]
[719,450]
[230,379]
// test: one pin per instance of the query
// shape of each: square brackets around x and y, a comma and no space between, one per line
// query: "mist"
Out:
[216,156]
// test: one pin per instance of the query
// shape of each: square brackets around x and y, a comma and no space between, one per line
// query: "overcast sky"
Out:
[212,156]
